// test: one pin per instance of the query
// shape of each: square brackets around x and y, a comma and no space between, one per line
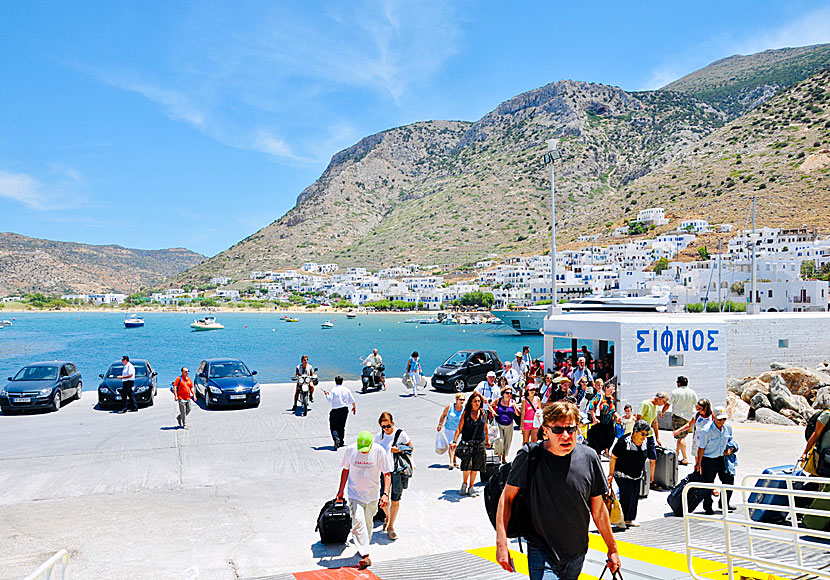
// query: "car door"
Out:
[74,378]
[476,368]
[201,372]
[65,382]
[151,374]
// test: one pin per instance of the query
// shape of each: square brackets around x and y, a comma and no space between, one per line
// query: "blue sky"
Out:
[162,124]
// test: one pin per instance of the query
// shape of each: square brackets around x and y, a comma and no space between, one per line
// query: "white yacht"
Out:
[133,321]
[206,323]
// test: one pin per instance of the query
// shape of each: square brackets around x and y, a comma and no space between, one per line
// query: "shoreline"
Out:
[224,310]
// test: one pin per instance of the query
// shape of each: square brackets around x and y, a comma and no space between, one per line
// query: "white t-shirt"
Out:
[128,370]
[373,360]
[386,440]
[365,470]
[340,397]
[512,377]
[490,393]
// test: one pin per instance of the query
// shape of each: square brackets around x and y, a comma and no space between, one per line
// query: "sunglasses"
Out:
[558,429]
[385,427]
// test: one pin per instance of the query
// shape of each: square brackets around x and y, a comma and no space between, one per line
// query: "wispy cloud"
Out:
[40,196]
[810,28]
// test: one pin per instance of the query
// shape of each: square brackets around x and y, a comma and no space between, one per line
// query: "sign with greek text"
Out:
[673,341]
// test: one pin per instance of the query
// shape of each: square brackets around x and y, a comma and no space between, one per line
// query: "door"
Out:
[65,382]
[74,377]
[200,380]
[477,368]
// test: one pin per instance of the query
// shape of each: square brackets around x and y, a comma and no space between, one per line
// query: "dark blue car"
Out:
[226,382]
[41,385]
[144,385]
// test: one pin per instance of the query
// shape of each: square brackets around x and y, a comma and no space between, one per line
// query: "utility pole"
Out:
[753,303]
[552,155]
[720,265]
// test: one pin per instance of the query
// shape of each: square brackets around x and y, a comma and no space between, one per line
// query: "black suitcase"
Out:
[665,471]
[334,522]
[491,464]
[675,499]
[645,480]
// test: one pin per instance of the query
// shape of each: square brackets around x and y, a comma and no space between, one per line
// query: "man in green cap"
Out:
[363,463]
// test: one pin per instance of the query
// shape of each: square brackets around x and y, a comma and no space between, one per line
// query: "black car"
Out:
[41,385]
[144,385]
[226,382]
[465,369]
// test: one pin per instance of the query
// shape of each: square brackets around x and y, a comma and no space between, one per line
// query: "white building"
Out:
[220,280]
[653,216]
[697,226]
[794,296]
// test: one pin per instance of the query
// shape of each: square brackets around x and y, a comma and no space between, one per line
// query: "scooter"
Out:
[371,378]
[304,383]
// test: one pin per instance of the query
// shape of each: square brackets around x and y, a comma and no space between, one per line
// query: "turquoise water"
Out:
[266,343]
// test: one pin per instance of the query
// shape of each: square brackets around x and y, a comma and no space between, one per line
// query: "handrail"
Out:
[48,568]
[788,533]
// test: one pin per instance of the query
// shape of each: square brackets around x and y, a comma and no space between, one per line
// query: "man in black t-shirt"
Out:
[567,487]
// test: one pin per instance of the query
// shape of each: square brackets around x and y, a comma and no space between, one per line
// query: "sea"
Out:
[264,341]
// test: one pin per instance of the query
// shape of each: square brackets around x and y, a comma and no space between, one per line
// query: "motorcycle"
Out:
[304,383]
[371,378]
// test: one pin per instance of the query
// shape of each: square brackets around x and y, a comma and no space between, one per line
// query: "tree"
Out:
[703,253]
[476,299]
[661,265]
[737,288]
[635,228]
[808,269]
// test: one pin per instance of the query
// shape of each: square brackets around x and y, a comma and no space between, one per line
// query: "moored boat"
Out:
[289,319]
[206,323]
[133,321]
[327,324]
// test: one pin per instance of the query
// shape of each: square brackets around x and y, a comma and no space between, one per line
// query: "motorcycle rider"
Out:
[374,360]
[303,369]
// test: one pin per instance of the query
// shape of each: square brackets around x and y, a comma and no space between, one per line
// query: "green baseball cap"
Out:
[364,441]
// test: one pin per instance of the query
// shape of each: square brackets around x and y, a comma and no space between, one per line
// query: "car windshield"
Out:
[456,360]
[37,373]
[116,370]
[228,369]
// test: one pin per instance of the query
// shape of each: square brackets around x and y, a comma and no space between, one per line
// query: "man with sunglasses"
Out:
[566,488]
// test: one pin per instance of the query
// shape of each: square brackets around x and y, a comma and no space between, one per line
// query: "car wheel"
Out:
[9,411]
[459,385]
[207,399]
[56,401]
[151,401]
[80,392]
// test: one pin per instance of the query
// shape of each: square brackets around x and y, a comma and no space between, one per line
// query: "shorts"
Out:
[476,461]
[676,423]
[397,487]
[651,448]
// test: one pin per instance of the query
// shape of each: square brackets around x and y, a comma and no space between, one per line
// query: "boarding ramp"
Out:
[760,550]
[55,568]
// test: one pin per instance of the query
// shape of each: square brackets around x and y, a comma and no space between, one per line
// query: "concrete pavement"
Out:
[237,495]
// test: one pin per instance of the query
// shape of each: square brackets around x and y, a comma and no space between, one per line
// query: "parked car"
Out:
[41,385]
[145,387]
[226,382]
[465,369]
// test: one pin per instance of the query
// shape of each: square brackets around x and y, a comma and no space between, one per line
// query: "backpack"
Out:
[402,462]
[811,424]
[519,523]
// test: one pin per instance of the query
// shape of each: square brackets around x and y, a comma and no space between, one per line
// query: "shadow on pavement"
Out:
[452,495]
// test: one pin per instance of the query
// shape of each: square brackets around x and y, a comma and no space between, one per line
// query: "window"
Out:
[783,343]
[769,293]
[676,360]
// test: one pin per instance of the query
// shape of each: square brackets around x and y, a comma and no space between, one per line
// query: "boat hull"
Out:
[522,321]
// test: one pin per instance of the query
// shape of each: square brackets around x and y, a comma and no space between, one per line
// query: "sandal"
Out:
[392,535]
[684,462]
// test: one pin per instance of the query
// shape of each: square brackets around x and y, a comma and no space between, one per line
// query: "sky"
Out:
[194,124]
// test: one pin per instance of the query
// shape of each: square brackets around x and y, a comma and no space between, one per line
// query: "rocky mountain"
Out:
[739,83]
[441,192]
[35,265]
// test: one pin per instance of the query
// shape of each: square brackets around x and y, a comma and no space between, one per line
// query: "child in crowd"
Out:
[628,420]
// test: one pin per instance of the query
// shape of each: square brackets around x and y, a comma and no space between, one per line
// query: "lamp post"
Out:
[552,155]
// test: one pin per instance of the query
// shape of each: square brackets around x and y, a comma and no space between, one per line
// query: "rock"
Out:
[770,417]
[760,401]
[779,395]
[804,382]
[734,385]
[737,409]
[777,366]
[802,406]
[752,387]
[822,400]
[794,416]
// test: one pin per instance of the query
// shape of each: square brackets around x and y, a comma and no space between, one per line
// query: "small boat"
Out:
[134,321]
[450,319]
[464,320]
[5,323]
[206,323]
[422,321]
[289,319]
[350,315]
[327,324]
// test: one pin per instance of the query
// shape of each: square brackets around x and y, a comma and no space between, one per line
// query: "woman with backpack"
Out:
[398,444]
[818,445]
[531,405]
[603,413]
[472,432]
[504,410]
[449,421]
[626,468]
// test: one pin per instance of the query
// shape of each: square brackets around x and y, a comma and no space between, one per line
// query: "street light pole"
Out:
[552,155]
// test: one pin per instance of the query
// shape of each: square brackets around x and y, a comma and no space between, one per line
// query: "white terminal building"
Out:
[650,350]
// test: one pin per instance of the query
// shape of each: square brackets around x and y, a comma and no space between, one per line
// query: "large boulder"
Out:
[794,416]
[822,400]
[734,385]
[802,406]
[779,395]
[754,386]
[802,381]
[737,409]
[760,401]
[770,417]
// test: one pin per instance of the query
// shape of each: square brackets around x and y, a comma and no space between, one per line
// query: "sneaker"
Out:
[472,492]
[185,427]
[311,399]
[708,510]
[632,524]
[463,489]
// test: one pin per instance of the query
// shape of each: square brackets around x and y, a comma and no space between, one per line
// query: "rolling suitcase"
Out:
[675,499]
[645,481]
[665,471]
[491,464]
[761,498]
[334,522]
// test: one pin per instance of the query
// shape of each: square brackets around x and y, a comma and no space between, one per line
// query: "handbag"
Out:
[465,449]
[614,509]
[538,417]
[615,576]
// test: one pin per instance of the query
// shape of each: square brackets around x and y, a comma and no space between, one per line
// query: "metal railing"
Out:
[783,535]
[56,567]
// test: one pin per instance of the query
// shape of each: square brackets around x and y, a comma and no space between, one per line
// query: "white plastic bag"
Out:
[441,443]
